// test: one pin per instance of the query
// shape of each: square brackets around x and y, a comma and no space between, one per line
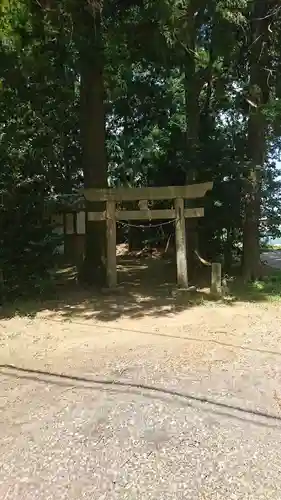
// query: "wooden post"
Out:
[69,223]
[216,279]
[81,223]
[111,244]
[182,278]
[2,285]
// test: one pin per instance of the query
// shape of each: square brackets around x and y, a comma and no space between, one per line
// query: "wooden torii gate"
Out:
[111,215]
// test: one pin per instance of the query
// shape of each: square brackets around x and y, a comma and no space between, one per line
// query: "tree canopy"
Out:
[139,93]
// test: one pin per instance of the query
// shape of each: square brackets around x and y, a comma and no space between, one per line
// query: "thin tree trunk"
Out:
[192,110]
[256,140]
[194,81]
[228,249]
[94,158]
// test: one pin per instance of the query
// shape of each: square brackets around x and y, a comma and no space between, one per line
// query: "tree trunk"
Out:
[94,159]
[193,85]
[256,140]
[228,249]
[192,119]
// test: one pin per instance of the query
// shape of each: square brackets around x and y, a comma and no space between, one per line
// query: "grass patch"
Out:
[266,248]
[266,289]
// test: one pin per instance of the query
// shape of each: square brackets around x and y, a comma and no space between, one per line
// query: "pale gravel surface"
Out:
[184,406]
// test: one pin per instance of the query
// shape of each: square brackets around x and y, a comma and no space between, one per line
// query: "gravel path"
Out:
[184,407]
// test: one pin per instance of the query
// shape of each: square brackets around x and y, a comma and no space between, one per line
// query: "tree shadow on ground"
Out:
[147,287]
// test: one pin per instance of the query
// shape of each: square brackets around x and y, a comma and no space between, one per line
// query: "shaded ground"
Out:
[147,287]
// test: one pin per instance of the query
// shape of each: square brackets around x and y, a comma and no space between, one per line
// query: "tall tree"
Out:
[89,41]
[90,21]
[168,80]
[261,16]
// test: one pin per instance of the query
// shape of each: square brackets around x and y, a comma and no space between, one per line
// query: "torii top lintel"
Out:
[191,191]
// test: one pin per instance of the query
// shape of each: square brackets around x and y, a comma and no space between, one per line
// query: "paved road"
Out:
[193,415]
[273,258]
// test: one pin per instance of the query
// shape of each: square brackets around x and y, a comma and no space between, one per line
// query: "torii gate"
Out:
[177,193]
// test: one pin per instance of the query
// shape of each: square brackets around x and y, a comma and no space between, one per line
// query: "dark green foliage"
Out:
[155,55]
[38,149]
[27,242]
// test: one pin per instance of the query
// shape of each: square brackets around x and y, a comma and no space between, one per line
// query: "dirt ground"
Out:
[137,397]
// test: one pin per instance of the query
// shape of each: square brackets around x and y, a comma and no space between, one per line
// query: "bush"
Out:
[27,243]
